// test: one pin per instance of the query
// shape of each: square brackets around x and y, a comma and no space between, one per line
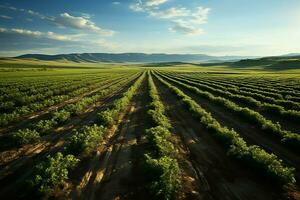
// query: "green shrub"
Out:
[158,139]
[44,126]
[165,176]
[26,136]
[86,140]
[61,116]
[106,118]
[53,172]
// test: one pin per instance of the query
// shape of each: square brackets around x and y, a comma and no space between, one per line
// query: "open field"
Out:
[165,131]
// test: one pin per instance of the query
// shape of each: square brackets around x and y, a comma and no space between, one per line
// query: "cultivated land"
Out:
[158,131]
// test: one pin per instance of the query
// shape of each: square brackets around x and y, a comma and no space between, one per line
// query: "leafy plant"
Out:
[26,136]
[53,172]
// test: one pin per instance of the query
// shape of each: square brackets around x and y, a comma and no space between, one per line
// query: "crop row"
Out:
[162,168]
[5,118]
[53,171]
[274,91]
[287,104]
[292,115]
[292,140]
[42,127]
[23,104]
[256,157]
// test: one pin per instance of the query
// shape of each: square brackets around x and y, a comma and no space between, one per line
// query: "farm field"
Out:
[149,132]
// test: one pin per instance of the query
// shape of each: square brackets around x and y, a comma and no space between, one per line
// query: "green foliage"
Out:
[87,139]
[247,114]
[236,146]
[53,172]
[158,138]
[61,116]
[106,117]
[26,136]
[165,176]
[44,126]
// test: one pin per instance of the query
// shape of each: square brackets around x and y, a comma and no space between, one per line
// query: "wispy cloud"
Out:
[38,34]
[116,3]
[81,23]
[155,2]
[5,17]
[184,27]
[66,20]
[183,20]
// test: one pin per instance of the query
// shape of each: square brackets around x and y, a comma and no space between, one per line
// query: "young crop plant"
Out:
[26,136]
[45,126]
[160,162]
[61,116]
[86,140]
[52,172]
[165,176]
[108,116]
[258,158]
[292,140]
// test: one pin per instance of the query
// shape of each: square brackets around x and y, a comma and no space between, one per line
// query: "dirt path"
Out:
[220,177]
[13,174]
[115,171]
[250,133]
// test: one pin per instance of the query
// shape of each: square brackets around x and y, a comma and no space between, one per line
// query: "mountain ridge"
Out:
[131,57]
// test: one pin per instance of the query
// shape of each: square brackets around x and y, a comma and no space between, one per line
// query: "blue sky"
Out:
[215,27]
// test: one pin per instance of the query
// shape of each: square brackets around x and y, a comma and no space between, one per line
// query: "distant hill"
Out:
[289,61]
[129,57]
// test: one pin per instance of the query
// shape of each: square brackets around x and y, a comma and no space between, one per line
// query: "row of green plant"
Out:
[22,102]
[161,168]
[6,118]
[292,115]
[256,157]
[54,171]
[256,94]
[108,116]
[278,89]
[26,136]
[292,140]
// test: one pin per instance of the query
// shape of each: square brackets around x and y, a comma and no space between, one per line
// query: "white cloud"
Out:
[186,28]
[66,20]
[116,3]
[170,13]
[146,5]
[5,17]
[183,20]
[38,34]
[137,7]
[82,23]
[155,2]
[200,15]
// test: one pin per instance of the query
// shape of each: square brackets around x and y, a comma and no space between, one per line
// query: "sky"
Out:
[214,27]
